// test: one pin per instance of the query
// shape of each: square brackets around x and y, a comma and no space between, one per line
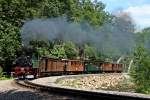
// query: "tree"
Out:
[71,50]
[13,13]
[86,10]
[143,37]
[76,10]
[1,72]
[141,70]
[91,53]
[58,52]
[52,8]
[9,43]
[42,52]
[17,11]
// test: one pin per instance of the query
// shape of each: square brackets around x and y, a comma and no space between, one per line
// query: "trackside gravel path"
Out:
[9,90]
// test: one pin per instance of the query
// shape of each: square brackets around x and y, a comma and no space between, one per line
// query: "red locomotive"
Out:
[23,68]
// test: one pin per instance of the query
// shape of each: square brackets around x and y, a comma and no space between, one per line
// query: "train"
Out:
[23,68]
[51,66]
[47,66]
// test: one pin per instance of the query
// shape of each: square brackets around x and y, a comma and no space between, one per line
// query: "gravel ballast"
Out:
[52,82]
[114,81]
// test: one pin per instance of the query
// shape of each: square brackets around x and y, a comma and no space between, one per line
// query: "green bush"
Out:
[2,76]
[140,71]
[58,52]
[71,50]
[1,72]
[91,52]
[43,52]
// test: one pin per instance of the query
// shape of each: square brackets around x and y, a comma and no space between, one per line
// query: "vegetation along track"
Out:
[89,95]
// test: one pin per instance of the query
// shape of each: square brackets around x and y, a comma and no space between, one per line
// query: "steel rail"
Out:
[90,95]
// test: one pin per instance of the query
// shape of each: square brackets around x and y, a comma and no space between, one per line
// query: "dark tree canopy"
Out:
[13,14]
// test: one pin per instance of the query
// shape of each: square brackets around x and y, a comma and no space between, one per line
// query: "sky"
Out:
[138,9]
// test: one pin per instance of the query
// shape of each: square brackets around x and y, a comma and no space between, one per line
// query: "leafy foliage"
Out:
[9,42]
[52,8]
[86,10]
[17,11]
[13,14]
[141,70]
[1,72]
[143,37]
[76,10]
[91,52]
[43,52]
[58,52]
[71,50]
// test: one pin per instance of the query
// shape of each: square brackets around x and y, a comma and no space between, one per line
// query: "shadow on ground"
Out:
[29,95]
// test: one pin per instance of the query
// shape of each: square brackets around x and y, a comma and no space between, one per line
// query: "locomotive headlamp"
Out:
[22,69]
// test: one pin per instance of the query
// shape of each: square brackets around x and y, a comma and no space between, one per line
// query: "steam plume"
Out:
[113,38]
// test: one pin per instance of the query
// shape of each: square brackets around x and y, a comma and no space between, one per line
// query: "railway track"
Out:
[88,95]
[50,95]
[23,83]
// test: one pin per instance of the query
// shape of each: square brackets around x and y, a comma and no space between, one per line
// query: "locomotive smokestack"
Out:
[81,52]
[28,51]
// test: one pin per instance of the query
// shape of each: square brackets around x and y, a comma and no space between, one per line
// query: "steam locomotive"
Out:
[27,67]
[23,68]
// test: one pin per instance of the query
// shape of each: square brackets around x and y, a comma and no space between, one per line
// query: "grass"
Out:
[4,77]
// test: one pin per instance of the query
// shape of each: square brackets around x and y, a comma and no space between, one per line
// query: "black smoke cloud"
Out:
[114,38]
